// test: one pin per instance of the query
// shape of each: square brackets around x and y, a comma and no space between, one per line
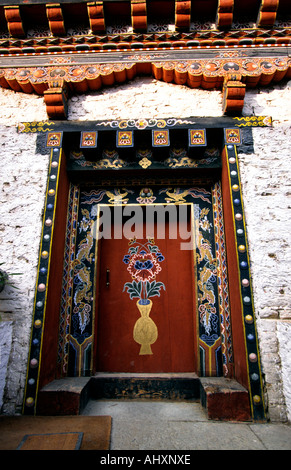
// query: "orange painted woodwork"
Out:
[97,25]
[55,19]
[180,77]
[238,340]
[266,78]
[172,312]
[168,75]
[233,106]
[54,293]
[14,21]
[182,14]
[96,16]
[233,96]
[269,5]
[56,102]
[225,13]
[225,5]
[224,19]
[267,18]
[108,79]
[268,13]
[139,15]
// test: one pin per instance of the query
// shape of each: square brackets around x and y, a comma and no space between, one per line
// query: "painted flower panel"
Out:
[143,267]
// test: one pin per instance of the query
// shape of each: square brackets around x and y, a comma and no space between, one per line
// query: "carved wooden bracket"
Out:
[224,15]
[56,99]
[139,15]
[268,12]
[14,21]
[182,14]
[233,94]
[55,18]
[96,16]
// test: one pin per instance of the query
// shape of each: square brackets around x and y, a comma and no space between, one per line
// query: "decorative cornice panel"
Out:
[254,71]
[220,72]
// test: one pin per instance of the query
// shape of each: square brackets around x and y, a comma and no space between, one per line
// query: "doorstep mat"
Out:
[14,431]
[54,441]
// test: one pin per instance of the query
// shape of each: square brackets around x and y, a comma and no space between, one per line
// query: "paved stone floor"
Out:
[183,425]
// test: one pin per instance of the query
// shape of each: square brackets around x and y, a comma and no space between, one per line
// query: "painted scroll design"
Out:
[68,278]
[82,298]
[207,271]
[143,264]
[110,160]
[208,297]
[222,285]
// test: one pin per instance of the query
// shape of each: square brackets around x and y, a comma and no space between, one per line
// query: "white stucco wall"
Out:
[22,185]
[267,199]
[266,190]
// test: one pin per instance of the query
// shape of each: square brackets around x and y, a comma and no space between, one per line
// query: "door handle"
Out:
[107,277]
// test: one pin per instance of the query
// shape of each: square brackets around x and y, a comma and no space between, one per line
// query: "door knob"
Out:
[107,277]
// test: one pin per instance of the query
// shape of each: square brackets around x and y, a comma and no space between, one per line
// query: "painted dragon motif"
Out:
[177,196]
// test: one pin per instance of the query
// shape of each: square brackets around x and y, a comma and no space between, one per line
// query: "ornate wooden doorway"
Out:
[65,321]
[146,307]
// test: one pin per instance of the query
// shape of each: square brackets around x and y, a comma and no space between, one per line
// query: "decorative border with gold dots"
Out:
[249,324]
[34,359]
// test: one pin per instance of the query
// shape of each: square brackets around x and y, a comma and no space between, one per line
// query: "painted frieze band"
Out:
[231,73]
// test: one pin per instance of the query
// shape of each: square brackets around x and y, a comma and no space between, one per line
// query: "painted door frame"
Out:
[44,337]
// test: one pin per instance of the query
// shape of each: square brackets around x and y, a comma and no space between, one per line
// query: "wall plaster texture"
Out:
[264,168]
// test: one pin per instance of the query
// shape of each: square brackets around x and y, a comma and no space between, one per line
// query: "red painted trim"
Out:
[238,340]
[48,364]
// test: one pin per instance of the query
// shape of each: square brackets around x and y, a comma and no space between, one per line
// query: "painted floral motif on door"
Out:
[143,264]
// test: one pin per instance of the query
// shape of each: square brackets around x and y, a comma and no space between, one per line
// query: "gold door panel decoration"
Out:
[145,331]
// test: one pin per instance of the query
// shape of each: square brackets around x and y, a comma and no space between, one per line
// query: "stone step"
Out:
[67,396]
[151,386]
[223,399]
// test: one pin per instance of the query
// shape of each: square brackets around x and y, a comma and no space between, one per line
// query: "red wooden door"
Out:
[159,335]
